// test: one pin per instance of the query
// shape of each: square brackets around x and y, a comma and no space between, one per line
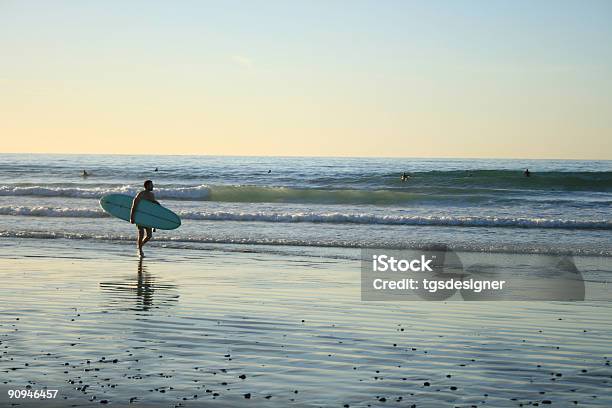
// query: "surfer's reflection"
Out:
[146,290]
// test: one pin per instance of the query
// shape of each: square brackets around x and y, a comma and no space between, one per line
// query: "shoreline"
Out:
[286,323]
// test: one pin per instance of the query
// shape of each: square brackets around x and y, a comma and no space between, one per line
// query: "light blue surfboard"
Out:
[148,214]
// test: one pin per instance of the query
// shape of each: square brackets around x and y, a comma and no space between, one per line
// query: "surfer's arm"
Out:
[134,205]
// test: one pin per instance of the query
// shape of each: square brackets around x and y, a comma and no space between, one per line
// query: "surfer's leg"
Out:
[141,233]
[148,237]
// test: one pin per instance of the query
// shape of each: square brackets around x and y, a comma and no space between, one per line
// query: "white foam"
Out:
[186,193]
[329,217]
[41,211]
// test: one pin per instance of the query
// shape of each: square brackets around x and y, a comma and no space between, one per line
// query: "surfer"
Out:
[85,173]
[405,177]
[527,173]
[144,233]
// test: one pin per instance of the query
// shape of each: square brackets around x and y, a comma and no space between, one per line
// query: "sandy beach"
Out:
[235,326]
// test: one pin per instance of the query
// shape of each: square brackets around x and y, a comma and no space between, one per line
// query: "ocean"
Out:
[476,205]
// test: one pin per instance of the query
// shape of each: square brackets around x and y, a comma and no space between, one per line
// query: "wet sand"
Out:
[230,328]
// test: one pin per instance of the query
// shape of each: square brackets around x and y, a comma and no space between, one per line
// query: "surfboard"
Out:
[148,214]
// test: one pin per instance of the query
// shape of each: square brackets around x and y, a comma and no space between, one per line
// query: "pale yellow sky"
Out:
[344,79]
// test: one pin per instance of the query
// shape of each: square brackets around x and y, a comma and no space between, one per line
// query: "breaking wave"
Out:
[264,194]
[331,217]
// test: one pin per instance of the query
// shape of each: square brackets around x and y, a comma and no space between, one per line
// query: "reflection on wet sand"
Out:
[146,290]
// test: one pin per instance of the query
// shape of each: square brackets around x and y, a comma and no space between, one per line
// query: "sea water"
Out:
[300,202]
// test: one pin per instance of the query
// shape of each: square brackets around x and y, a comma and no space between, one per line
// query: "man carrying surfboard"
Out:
[144,233]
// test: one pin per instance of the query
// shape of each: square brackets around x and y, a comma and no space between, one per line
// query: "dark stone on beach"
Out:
[115,361]
[546,402]
[247,395]
[448,376]
[382,399]
[103,401]
[426,384]
[268,397]
[346,405]
[242,376]
[453,388]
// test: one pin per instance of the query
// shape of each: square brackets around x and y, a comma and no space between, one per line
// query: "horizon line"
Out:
[306,156]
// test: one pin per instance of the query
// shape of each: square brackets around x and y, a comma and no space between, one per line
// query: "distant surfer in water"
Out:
[146,194]
[405,177]
[85,173]
[527,173]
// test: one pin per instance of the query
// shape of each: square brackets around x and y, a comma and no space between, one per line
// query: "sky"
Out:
[511,79]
